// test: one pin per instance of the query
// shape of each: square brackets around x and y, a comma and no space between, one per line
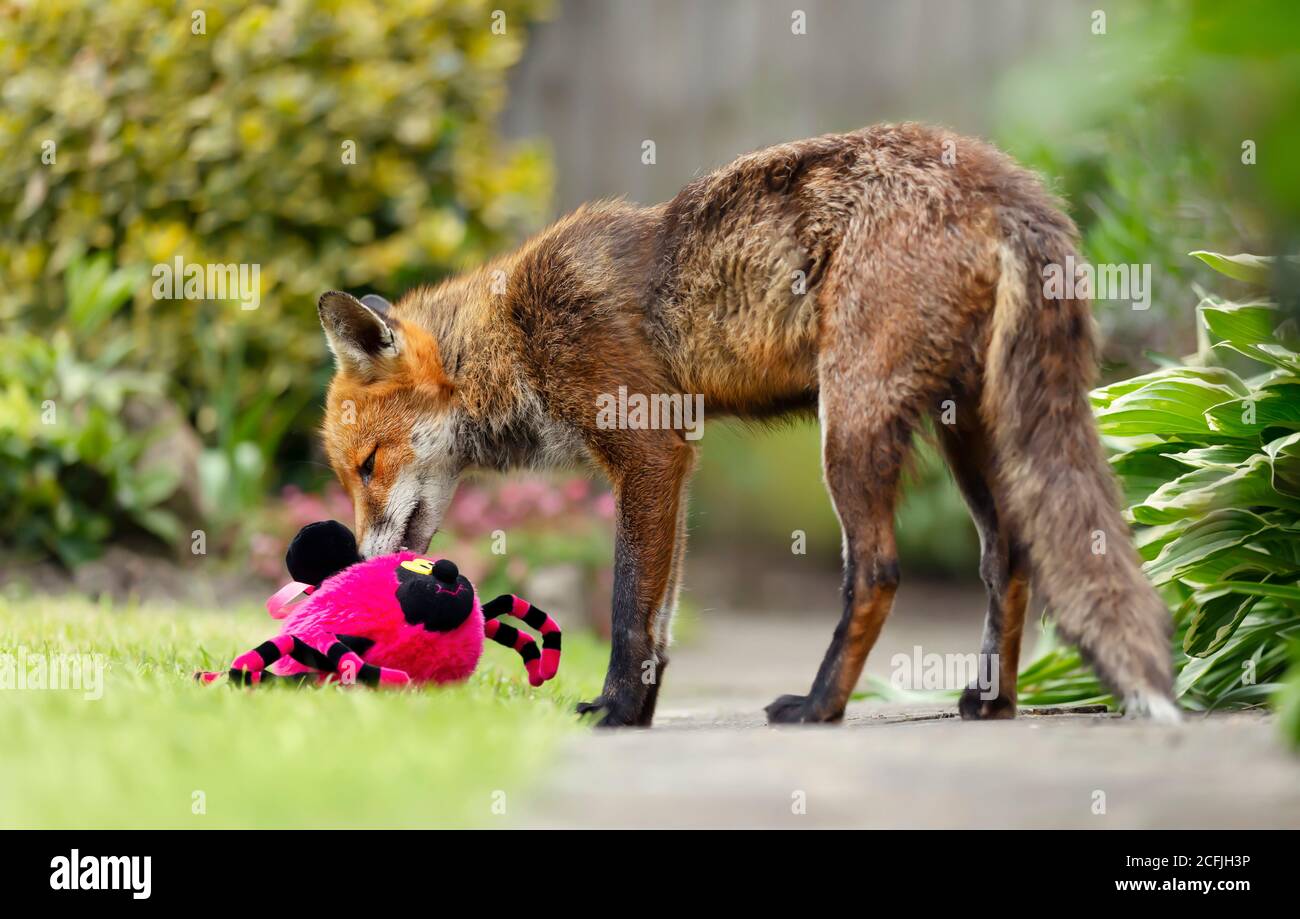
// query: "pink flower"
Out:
[605,506]
[469,509]
[576,490]
[550,504]
[512,497]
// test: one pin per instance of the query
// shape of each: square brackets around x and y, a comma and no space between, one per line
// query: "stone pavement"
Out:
[711,760]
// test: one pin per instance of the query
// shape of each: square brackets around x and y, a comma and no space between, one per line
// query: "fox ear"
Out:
[363,339]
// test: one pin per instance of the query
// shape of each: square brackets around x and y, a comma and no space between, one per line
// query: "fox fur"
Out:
[871,277]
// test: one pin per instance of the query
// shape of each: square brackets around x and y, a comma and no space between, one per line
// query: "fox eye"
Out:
[367,469]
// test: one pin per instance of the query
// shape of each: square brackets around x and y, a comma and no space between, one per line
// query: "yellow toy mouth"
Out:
[419,566]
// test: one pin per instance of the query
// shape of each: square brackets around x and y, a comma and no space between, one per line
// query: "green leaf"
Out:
[1166,407]
[1141,471]
[1284,454]
[1241,323]
[1214,622]
[1203,490]
[1218,456]
[1253,269]
[1287,700]
[1275,407]
[151,487]
[1214,376]
[162,523]
[1247,694]
[1289,593]
[1255,330]
[1204,538]
[1150,540]
[95,291]
[1251,560]
[1177,498]
[1277,356]
[1283,357]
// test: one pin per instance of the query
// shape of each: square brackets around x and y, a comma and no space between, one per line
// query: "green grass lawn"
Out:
[157,747]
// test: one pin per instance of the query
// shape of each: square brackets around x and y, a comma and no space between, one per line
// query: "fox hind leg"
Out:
[866,433]
[893,334]
[1003,569]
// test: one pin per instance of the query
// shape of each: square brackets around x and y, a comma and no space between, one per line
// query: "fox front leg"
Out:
[648,495]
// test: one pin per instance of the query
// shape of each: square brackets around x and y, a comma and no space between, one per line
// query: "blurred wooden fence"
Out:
[709,79]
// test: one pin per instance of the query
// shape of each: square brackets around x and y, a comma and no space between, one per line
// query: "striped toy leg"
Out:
[522,642]
[344,660]
[254,661]
[252,678]
[540,666]
[264,655]
[537,618]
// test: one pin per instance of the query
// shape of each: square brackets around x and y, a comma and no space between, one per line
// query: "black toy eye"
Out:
[445,570]
[367,469]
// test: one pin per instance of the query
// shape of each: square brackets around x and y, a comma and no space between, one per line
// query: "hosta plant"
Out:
[1208,458]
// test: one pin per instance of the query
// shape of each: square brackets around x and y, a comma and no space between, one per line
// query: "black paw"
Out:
[974,708]
[612,714]
[797,710]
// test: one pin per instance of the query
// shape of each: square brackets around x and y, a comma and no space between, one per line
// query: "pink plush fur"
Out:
[362,601]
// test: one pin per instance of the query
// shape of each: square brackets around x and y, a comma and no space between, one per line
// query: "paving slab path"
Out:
[711,760]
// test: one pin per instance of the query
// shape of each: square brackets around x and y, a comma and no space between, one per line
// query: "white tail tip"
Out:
[1152,706]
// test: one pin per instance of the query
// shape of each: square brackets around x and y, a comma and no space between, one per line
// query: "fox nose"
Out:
[445,570]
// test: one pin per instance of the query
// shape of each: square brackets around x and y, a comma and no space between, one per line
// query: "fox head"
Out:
[389,423]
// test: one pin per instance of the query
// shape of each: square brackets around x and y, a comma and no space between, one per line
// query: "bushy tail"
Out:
[1061,493]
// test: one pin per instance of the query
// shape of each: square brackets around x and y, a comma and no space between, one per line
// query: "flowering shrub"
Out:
[326,143]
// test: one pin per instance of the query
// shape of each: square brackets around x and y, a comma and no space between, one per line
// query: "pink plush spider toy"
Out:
[389,620]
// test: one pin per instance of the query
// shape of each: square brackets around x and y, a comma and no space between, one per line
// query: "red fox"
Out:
[869,277]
